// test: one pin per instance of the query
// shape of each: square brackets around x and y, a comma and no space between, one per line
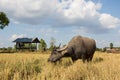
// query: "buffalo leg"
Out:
[74,59]
[83,58]
[88,59]
[91,57]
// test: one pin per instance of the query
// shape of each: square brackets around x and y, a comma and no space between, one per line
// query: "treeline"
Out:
[41,47]
[109,49]
[44,47]
[7,50]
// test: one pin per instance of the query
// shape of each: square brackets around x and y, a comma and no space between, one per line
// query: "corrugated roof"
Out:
[27,40]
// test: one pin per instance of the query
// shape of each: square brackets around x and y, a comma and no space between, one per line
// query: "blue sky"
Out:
[61,19]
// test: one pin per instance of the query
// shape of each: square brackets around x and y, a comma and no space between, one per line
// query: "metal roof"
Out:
[27,40]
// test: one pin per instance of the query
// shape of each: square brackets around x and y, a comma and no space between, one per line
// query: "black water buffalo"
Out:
[79,47]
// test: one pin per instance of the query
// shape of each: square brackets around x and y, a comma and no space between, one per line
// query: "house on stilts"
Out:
[27,44]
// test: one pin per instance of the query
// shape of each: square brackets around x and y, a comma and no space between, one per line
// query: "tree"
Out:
[111,45]
[4,21]
[52,43]
[42,45]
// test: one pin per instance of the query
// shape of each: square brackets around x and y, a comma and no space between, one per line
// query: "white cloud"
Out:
[1,43]
[109,21]
[60,13]
[15,36]
[81,9]
[28,11]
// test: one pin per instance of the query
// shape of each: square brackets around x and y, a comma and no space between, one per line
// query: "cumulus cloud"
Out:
[28,11]
[109,21]
[60,13]
[15,36]
[1,44]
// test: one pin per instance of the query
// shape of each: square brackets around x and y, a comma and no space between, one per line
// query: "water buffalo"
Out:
[79,47]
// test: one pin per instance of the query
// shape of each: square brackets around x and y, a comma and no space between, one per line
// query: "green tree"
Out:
[104,49]
[111,45]
[42,45]
[52,43]
[4,21]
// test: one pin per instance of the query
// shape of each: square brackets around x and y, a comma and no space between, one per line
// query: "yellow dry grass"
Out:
[34,66]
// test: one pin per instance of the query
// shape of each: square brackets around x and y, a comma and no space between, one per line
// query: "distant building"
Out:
[26,43]
[114,50]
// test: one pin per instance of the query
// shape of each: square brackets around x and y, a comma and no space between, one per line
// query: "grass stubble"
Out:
[34,66]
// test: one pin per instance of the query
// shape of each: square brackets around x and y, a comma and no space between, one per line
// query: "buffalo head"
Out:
[57,54]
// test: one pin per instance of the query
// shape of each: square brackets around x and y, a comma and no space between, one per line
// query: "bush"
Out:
[98,59]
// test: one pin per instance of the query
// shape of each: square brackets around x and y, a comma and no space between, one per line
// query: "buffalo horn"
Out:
[63,48]
[63,52]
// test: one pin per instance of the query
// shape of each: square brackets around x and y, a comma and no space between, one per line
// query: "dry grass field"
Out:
[34,66]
